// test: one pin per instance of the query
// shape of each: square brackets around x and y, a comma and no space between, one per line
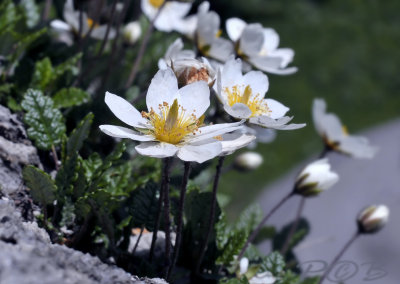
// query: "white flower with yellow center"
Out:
[251,274]
[207,35]
[70,27]
[173,124]
[243,97]
[171,17]
[336,136]
[175,52]
[259,47]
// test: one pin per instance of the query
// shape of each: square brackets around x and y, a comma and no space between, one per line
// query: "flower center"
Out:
[173,124]
[156,3]
[256,103]
[91,23]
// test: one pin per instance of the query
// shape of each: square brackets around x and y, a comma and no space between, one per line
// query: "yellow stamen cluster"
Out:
[255,103]
[156,3]
[171,124]
[91,23]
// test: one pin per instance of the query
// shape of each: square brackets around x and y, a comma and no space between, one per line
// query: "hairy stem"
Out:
[157,224]
[179,226]
[138,240]
[46,10]
[261,224]
[212,214]
[293,228]
[340,254]
[167,221]
[142,48]
[105,39]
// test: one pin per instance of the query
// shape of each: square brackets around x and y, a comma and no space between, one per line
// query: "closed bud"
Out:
[315,178]
[132,32]
[190,70]
[373,218]
[248,161]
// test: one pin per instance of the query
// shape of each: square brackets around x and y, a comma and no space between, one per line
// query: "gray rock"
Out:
[27,256]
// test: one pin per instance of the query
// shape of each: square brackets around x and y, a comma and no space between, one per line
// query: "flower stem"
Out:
[167,221]
[138,240]
[293,228]
[158,221]
[55,157]
[142,48]
[346,246]
[46,11]
[212,213]
[179,227]
[258,228]
[105,39]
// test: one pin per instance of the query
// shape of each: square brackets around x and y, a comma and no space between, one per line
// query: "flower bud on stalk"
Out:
[132,32]
[248,161]
[315,178]
[190,70]
[373,218]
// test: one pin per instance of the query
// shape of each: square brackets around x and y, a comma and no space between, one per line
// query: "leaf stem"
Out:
[142,48]
[178,239]
[293,228]
[261,224]
[338,256]
[212,214]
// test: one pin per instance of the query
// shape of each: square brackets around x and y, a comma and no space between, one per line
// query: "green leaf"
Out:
[145,205]
[91,165]
[274,263]
[31,12]
[43,74]
[235,243]
[42,187]
[69,65]
[8,16]
[79,134]
[250,218]
[222,232]
[267,232]
[46,124]
[242,280]
[66,176]
[70,97]
[311,280]
[302,230]
[68,214]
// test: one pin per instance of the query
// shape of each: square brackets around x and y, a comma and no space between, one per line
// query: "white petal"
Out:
[252,39]
[163,88]
[277,109]
[123,132]
[357,147]
[100,33]
[280,123]
[271,40]
[234,141]
[187,26]
[238,110]
[243,265]
[221,49]
[171,15]
[213,130]
[195,98]
[149,10]
[264,135]
[124,111]
[231,73]
[326,124]
[258,82]
[60,25]
[201,153]
[234,28]
[156,149]
[207,28]
[263,278]
[286,54]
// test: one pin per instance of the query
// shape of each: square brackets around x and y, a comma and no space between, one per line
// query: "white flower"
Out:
[259,47]
[373,218]
[173,124]
[260,278]
[315,178]
[248,161]
[70,27]
[132,32]
[243,97]
[172,16]
[207,35]
[175,52]
[335,135]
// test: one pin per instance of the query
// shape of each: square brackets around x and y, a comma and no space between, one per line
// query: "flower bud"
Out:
[373,218]
[190,70]
[248,161]
[315,178]
[132,32]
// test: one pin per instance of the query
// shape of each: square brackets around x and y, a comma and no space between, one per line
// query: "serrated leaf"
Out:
[31,12]
[79,134]
[69,65]
[250,218]
[91,165]
[222,232]
[242,280]
[235,243]
[273,263]
[67,214]
[43,74]
[46,124]
[66,176]
[69,97]
[8,16]
[42,187]
[145,205]
[116,180]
